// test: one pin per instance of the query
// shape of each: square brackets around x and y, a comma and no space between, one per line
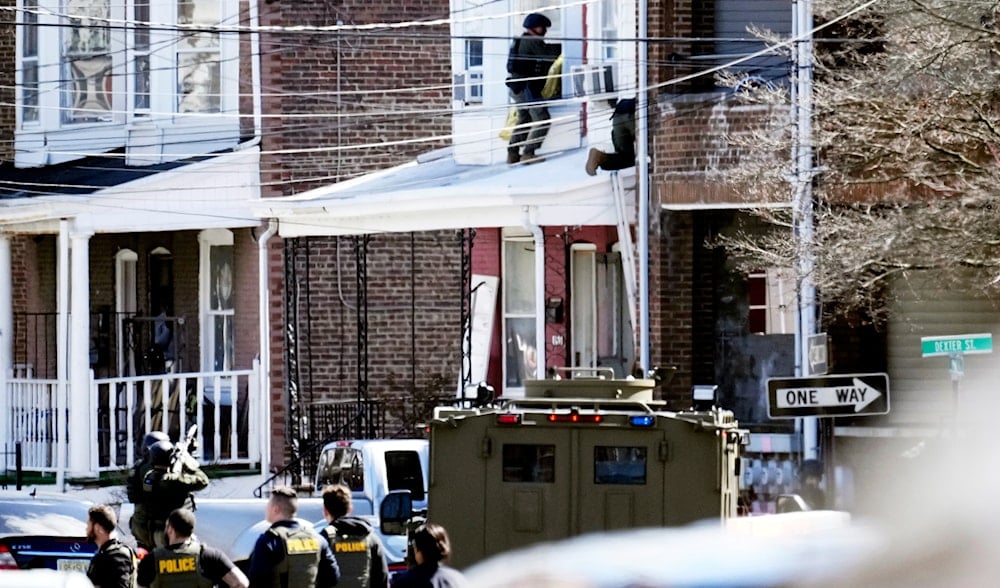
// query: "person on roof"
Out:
[528,63]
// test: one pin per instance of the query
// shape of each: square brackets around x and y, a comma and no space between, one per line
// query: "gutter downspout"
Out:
[642,187]
[6,335]
[539,238]
[265,348]
[258,126]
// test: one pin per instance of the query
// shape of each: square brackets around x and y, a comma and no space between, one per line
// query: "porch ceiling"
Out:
[437,193]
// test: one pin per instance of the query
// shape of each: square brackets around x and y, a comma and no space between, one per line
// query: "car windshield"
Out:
[43,517]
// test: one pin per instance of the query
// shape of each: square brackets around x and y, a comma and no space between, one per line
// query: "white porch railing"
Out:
[224,405]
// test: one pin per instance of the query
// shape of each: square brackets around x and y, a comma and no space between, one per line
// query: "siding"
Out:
[732,19]
[921,388]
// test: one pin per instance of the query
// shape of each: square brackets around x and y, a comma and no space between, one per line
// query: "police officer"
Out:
[186,563]
[139,523]
[169,485]
[113,566]
[354,543]
[288,554]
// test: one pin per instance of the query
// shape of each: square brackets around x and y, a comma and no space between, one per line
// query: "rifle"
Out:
[185,446]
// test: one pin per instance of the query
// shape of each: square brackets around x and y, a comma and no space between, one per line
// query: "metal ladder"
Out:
[627,247]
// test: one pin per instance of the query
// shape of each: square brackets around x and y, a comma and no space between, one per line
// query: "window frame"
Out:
[208,239]
[508,315]
[50,140]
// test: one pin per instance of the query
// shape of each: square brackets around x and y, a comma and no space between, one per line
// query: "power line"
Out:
[437,138]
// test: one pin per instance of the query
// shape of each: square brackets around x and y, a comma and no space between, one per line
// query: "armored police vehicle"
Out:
[575,455]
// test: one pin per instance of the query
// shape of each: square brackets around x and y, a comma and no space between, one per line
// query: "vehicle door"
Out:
[528,486]
[621,480]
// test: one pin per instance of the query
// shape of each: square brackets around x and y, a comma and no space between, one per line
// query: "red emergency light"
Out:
[575,417]
[508,419]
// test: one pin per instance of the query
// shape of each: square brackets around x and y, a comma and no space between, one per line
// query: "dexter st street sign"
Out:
[840,395]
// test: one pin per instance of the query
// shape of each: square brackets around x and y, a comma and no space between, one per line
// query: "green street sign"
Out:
[952,344]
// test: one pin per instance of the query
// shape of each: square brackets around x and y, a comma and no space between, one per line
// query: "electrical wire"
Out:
[443,137]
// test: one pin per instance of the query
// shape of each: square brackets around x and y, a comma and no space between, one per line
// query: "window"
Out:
[29,63]
[140,58]
[83,76]
[402,468]
[473,70]
[341,465]
[86,62]
[771,297]
[620,465]
[198,72]
[218,313]
[519,312]
[609,30]
[529,463]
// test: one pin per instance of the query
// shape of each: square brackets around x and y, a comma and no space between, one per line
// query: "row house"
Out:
[429,265]
[129,253]
[735,329]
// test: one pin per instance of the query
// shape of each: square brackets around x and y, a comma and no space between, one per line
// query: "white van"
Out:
[372,468]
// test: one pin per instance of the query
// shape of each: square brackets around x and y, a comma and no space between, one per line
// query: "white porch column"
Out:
[81,437]
[6,333]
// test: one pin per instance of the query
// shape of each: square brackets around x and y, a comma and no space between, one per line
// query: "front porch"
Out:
[224,405]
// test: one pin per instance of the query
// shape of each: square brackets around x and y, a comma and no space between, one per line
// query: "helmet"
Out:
[535,19]
[152,437]
[159,453]
[811,467]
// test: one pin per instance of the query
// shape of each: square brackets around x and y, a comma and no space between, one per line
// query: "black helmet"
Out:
[152,437]
[811,467]
[535,19]
[159,453]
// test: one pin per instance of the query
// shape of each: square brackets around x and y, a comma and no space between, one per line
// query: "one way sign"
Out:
[840,395]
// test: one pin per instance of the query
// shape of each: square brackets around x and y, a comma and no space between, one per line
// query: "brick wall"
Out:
[352,94]
[671,301]
[414,295]
[349,100]
[7,58]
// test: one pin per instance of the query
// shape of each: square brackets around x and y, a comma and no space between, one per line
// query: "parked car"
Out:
[43,579]
[44,531]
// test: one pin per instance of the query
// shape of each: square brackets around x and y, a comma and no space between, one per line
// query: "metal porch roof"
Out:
[434,192]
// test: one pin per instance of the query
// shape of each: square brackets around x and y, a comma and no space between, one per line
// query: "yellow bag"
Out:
[508,126]
[553,80]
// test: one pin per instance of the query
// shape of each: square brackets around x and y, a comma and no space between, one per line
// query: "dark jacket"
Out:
[269,552]
[359,552]
[113,566]
[530,57]
[429,575]
[165,491]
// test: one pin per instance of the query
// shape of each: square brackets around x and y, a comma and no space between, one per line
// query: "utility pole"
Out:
[802,205]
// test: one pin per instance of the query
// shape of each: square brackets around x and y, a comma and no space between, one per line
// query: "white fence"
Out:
[224,406]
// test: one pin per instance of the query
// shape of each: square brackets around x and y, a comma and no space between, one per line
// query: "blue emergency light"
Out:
[643,420]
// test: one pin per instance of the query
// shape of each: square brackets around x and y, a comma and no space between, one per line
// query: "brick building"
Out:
[128,253]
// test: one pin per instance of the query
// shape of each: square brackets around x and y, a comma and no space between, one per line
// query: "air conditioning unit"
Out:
[593,79]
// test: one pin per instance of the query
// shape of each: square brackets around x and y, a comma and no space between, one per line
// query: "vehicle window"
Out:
[341,465]
[529,463]
[43,518]
[619,465]
[354,470]
[404,472]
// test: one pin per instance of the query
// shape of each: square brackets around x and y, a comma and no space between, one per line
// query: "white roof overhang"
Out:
[218,192]
[440,194]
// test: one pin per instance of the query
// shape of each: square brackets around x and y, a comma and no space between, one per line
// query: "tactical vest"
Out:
[180,568]
[302,555]
[354,558]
